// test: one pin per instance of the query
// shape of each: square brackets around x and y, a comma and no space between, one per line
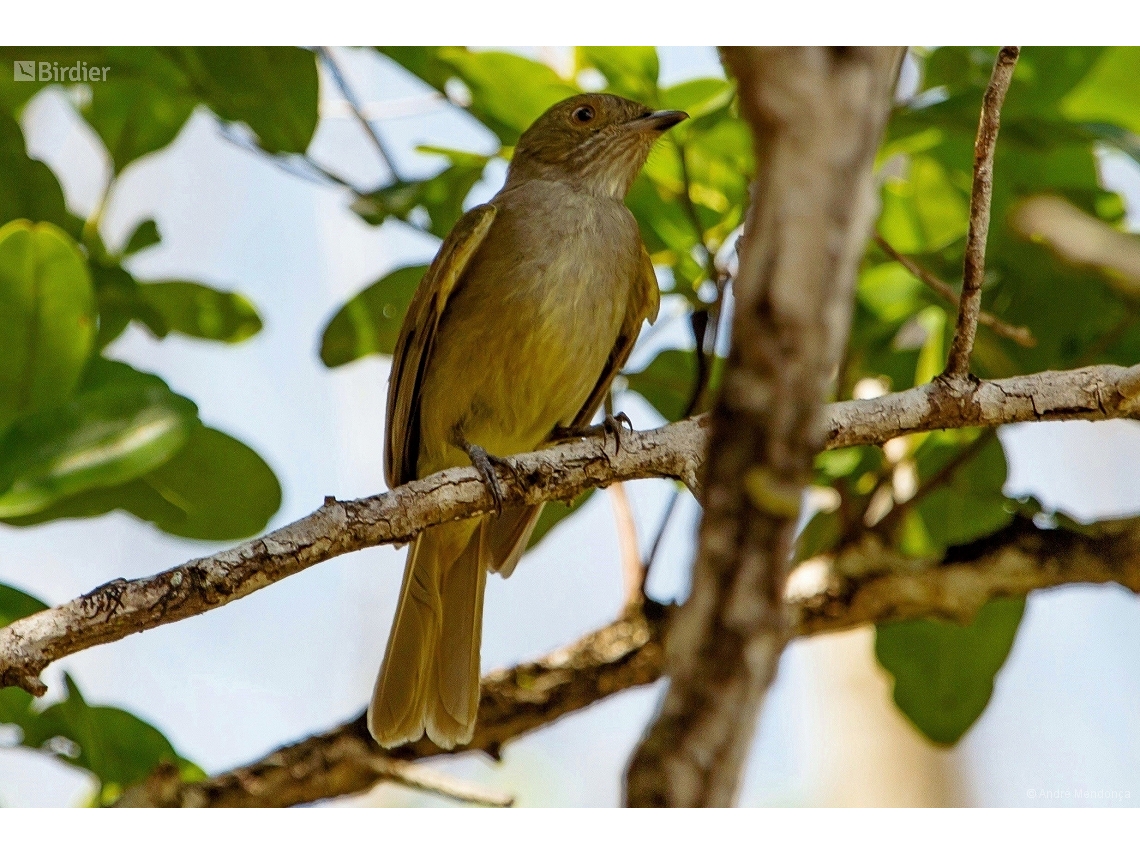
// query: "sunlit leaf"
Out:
[629,71]
[120,424]
[47,317]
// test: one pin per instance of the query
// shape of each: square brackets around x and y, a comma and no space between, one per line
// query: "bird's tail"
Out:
[430,676]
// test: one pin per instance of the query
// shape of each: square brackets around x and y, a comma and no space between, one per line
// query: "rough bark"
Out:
[865,583]
[817,115]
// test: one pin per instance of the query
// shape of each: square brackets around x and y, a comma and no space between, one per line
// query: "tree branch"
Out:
[121,608]
[974,266]
[866,583]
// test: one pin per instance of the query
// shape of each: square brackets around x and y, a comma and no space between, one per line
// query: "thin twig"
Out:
[632,570]
[974,266]
[350,96]
[1018,335]
[428,780]
[660,536]
[938,479]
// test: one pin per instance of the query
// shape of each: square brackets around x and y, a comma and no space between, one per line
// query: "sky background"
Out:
[301,656]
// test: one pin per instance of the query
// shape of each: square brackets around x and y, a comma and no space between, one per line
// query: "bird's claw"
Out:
[609,426]
[485,463]
[613,426]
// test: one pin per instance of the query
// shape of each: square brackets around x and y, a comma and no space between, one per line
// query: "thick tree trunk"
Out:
[817,115]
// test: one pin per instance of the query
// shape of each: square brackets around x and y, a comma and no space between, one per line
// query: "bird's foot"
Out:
[486,462]
[609,426]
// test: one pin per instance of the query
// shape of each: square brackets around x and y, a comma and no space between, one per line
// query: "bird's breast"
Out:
[527,334]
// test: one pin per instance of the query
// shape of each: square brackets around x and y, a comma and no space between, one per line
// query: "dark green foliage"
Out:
[944,673]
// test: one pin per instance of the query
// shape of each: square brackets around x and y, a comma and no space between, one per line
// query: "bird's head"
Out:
[595,142]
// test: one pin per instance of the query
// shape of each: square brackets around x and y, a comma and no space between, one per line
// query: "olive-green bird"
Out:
[514,335]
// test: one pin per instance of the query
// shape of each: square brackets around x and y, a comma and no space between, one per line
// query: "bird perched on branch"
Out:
[529,309]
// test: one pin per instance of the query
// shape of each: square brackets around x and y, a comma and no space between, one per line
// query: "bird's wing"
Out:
[413,347]
[644,301]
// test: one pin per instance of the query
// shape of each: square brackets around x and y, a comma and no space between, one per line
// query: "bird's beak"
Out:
[658,122]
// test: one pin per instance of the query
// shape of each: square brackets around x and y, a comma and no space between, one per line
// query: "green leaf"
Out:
[944,673]
[142,105]
[440,197]
[667,382]
[120,748]
[271,89]
[629,71]
[15,604]
[370,321]
[121,424]
[215,488]
[201,311]
[145,235]
[552,514]
[29,190]
[507,110]
[1110,93]
[120,301]
[698,97]
[47,317]
[970,503]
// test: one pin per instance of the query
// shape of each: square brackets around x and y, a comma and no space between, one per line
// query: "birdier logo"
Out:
[31,71]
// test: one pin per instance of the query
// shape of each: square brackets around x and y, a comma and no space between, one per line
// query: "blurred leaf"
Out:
[629,71]
[440,197]
[1110,93]
[970,503]
[821,534]
[15,604]
[47,318]
[150,92]
[201,311]
[271,89]
[215,488]
[29,189]
[944,673]
[507,110]
[145,235]
[141,107]
[698,97]
[120,301]
[370,321]
[552,514]
[118,747]
[667,382]
[120,424]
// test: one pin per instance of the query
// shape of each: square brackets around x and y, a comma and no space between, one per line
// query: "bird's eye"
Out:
[582,115]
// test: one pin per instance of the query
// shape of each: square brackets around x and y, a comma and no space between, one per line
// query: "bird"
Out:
[512,339]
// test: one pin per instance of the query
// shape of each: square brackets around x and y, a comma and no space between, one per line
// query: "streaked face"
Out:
[597,142]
